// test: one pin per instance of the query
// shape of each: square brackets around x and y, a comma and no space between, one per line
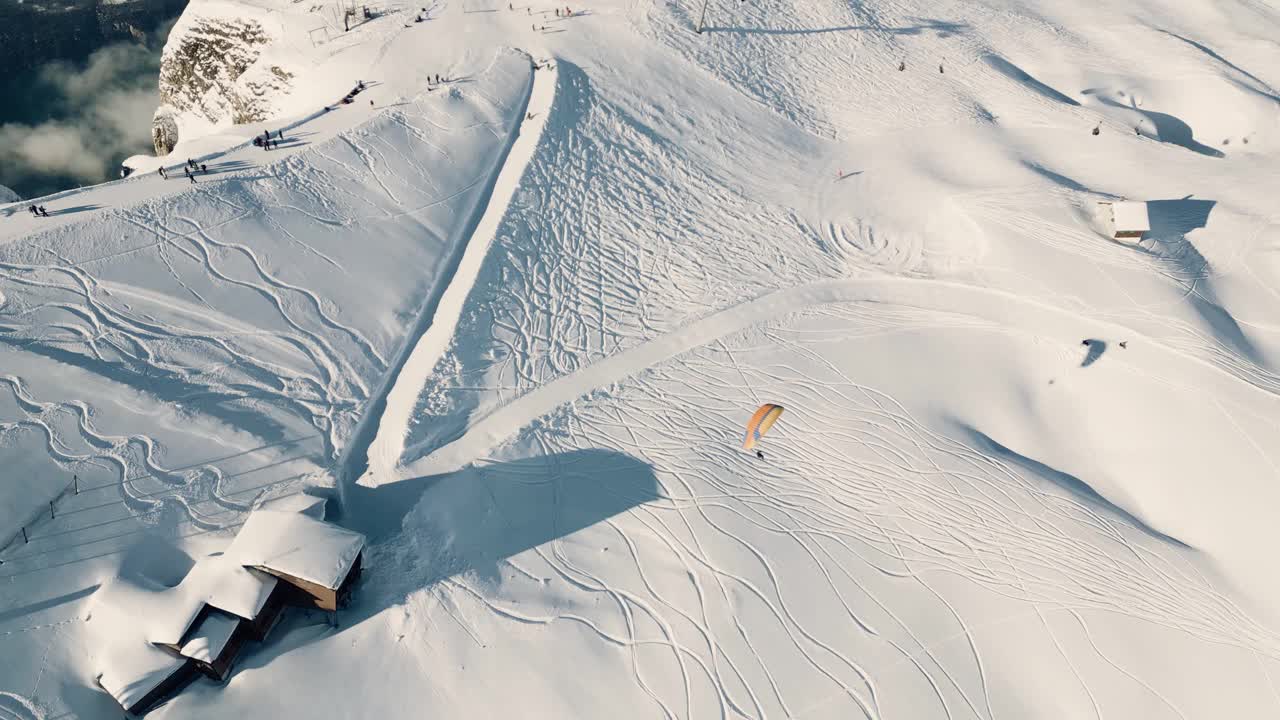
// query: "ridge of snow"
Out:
[392,428]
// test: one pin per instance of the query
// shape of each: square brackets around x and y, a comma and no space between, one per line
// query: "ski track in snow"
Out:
[936,505]
[1012,536]
[17,707]
[1027,315]
[144,487]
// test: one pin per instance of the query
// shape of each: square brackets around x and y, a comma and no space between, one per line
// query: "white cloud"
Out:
[102,111]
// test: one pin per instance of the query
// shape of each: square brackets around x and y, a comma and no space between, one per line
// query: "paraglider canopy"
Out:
[759,424]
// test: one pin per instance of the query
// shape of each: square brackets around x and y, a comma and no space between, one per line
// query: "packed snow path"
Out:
[389,416]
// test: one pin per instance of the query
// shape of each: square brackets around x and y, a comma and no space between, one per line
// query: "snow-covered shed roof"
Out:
[206,641]
[297,545]
[1130,216]
[227,585]
[298,502]
[131,669]
[164,615]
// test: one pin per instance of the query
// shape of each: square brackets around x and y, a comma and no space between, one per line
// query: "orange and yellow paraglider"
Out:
[760,423]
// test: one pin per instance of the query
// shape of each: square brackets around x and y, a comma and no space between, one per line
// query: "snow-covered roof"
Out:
[1131,216]
[131,669]
[164,615]
[227,585]
[206,641]
[132,610]
[301,503]
[175,610]
[297,545]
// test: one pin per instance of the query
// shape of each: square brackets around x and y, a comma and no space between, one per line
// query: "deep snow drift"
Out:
[517,320]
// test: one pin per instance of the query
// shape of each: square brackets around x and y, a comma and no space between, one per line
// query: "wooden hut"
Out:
[154,638]
[1129,220]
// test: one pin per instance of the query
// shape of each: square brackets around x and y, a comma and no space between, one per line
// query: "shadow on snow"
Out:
[466,523]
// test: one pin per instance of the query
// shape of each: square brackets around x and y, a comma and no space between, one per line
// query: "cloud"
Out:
[51,148]
[100,112]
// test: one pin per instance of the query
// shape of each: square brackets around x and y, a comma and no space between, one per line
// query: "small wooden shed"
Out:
[1129,220]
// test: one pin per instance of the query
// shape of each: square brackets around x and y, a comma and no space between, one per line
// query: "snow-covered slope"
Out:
[519,320]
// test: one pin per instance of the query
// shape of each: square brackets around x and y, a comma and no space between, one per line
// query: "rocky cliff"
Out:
[218,68]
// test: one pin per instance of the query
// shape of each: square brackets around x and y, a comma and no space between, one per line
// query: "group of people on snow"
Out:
[266,142]
[37,210]
[189,170]
[564,12]
[359,88]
